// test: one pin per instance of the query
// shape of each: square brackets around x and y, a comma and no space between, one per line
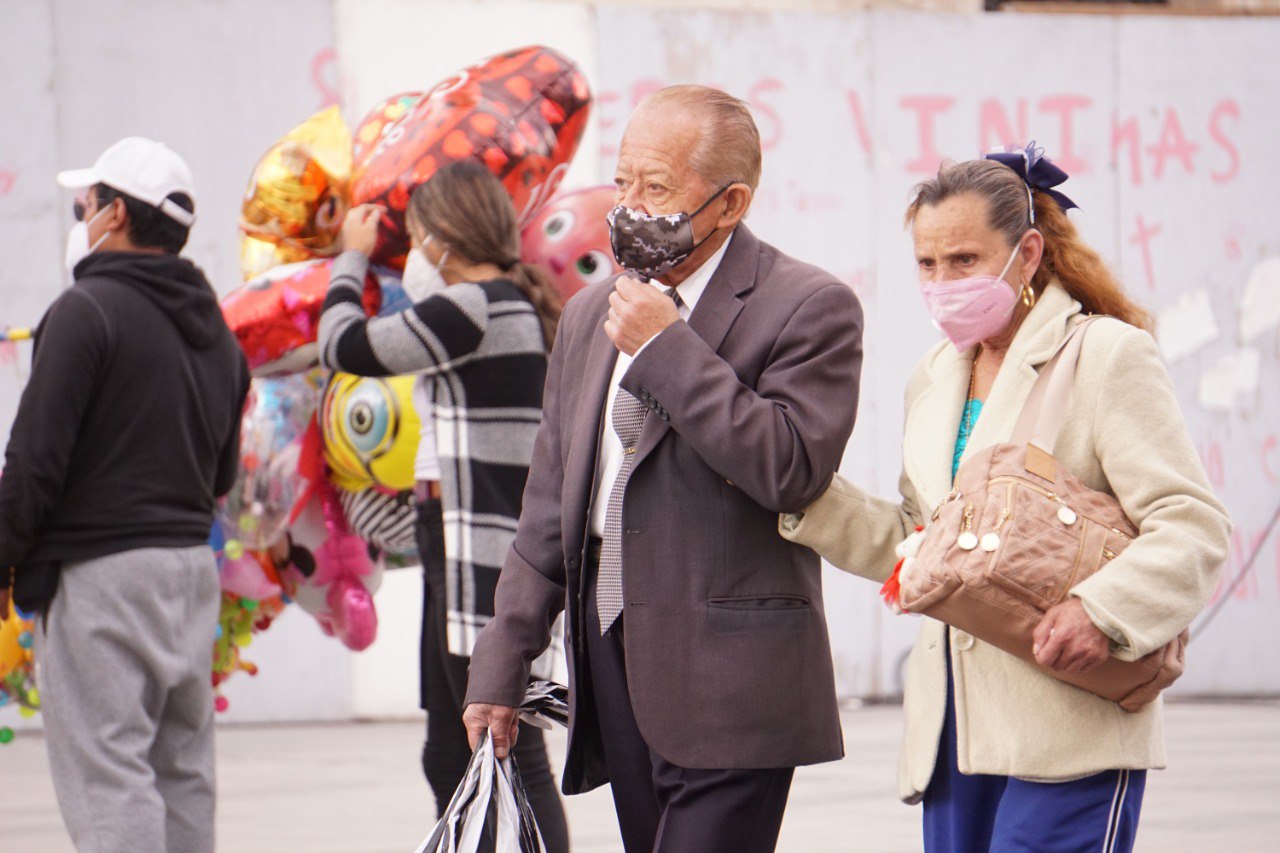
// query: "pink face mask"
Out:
[969,310]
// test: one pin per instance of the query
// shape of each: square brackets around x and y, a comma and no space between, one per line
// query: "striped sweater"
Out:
[479,349]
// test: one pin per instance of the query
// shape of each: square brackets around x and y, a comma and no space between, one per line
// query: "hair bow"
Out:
[1037,172]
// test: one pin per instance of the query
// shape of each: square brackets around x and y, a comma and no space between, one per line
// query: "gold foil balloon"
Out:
[258,256]
[297,196]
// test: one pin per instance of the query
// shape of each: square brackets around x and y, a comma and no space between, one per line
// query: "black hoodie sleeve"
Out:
[229,457]
[71,345]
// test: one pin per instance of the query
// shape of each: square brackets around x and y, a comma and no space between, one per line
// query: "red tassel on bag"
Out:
[891,592]
[893,587]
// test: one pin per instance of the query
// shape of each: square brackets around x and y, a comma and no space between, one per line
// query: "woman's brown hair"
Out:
[465,207]
[1066,256]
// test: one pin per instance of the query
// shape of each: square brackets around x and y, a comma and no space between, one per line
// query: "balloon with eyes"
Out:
[569,238]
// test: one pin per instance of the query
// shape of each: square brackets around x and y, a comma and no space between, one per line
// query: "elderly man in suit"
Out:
[688,402]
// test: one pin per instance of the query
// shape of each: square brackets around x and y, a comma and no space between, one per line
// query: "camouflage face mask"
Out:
[649,246]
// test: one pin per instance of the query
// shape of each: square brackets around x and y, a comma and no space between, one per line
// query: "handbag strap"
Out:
[1046,407]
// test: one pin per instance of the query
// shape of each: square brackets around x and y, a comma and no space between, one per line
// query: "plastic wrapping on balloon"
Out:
[520,113]
[370,431]
[276,316]
[270,486]
[297,196]
[569,238]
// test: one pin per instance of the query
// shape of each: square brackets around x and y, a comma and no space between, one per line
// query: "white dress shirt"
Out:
[609,459]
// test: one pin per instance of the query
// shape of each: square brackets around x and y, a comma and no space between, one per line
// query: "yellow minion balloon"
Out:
[370,431]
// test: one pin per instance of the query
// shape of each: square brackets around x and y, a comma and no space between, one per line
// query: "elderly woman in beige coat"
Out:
[1004,755]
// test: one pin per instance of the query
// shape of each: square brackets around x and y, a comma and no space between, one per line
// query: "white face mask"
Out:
[422,278]
[78,247]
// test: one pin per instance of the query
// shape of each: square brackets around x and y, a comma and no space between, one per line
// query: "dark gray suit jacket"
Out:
[752,402]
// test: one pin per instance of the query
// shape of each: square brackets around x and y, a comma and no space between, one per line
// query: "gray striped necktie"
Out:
[628,419]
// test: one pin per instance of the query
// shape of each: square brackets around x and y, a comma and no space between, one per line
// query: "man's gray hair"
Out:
[729,148]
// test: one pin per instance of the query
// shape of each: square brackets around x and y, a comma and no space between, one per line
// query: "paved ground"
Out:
[358,787]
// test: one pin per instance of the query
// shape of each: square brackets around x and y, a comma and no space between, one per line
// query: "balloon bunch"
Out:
[327,461]
[17,666]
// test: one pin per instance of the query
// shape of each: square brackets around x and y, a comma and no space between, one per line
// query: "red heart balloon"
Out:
[369,132]
[520,113]
[276,314]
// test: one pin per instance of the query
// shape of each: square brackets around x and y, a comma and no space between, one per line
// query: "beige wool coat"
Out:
[1123,434]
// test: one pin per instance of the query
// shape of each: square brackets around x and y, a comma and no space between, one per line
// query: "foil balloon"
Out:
[385,521]
[260,256]
[297,196]
[370,431]
[394,297]
[270,487]
[375,124]
[12,652]
[569,238]
[17,662]
[519,113]
[275,317]
[250,576]
[339,591]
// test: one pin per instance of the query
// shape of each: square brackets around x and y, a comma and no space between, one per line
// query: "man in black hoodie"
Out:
[126,433]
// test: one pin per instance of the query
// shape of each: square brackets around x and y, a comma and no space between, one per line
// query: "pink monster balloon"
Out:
[569,238]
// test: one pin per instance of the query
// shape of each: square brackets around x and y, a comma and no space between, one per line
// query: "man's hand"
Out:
[1066,640]
[637,312]
[499,720]
[360,228]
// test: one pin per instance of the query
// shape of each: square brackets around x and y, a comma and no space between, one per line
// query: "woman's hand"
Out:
[360,228]
[1066,640]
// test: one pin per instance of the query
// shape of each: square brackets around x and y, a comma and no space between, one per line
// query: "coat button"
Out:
[963,641]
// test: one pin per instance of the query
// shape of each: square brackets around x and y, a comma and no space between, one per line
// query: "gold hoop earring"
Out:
[1028,295]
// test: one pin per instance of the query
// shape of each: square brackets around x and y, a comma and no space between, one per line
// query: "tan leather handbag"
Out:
[1017,532]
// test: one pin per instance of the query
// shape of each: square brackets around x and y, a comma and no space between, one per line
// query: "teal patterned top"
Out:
[969,417]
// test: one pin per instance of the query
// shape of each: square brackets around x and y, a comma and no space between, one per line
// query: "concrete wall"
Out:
[1172,163]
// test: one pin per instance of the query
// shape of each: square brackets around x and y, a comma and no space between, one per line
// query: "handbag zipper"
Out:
[1053,497]
[1075,569]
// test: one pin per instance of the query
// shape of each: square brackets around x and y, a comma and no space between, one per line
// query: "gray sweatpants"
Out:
[123,661]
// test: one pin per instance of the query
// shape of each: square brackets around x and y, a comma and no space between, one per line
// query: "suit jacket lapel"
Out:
[580,470]
[713,316]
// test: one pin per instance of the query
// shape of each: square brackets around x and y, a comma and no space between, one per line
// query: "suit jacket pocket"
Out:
[747,614]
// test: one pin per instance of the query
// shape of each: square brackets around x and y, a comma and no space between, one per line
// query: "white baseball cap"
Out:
[142,168]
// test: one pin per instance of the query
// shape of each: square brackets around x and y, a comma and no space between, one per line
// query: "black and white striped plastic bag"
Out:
[490,811]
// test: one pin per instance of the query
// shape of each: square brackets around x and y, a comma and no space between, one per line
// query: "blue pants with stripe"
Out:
[1001,814]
